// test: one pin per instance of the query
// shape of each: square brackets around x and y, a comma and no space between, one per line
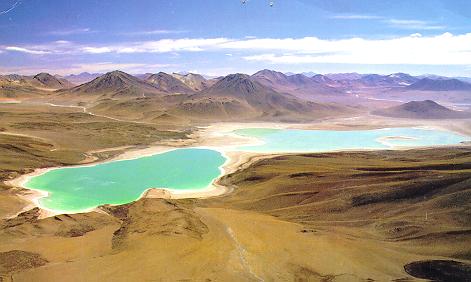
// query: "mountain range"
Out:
[302,85]
[441,84]
[265,94]
[113,84]
[40,80]
[81,77]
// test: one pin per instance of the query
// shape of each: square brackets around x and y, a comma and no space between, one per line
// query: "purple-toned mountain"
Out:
[392,80]
[254,98]
[422,110]
[168,83]
[299,85]
[428,84]
[344,76]
[115,84]
[82,78]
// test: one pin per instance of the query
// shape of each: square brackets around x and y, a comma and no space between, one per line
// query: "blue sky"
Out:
[224,36]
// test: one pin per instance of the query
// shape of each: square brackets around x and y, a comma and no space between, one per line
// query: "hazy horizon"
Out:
[307,73]
[221,37]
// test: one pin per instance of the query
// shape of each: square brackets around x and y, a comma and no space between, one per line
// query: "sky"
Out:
[217,37]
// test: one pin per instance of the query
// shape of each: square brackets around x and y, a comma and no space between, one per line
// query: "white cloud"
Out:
[413,24]
[391,22]
[154,32]
[109,66]
[25,50]
[96,50]
[72,31]
[445,49]
[356,17]
[159,46]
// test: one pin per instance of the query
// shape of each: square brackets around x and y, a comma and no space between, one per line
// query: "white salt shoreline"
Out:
[215,138]
[33,195]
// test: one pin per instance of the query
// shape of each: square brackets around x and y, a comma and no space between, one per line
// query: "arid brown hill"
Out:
[46,80]
[242,92]
[168,83]
[422,110]
[115,84]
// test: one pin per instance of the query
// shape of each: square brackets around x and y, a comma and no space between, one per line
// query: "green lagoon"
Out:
[118,182]
[295,140]
[76,189]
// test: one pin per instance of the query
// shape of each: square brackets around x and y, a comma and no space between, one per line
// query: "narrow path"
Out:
[85,110]
[242,253]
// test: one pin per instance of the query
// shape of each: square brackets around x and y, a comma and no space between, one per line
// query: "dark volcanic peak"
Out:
[427,109]
[51,81]
[116,83]
[300,79]
[422,106]
[113,80]
[269,73]
[168,83]
[271,78]
[237,84]
[428,84]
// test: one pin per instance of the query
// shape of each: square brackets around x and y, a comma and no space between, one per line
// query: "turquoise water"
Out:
[294,140]
[77,189]
[119,182]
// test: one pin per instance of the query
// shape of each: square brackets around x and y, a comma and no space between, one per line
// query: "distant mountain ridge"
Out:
[81,78]
[168,83]
[297,85]
[348,89]
[428,84]
[427,109]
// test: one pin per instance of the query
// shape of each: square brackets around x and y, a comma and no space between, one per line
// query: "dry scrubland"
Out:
[307,217]
[311,217]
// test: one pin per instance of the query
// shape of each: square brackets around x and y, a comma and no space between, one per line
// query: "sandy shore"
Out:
[212,137]
[218,137]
